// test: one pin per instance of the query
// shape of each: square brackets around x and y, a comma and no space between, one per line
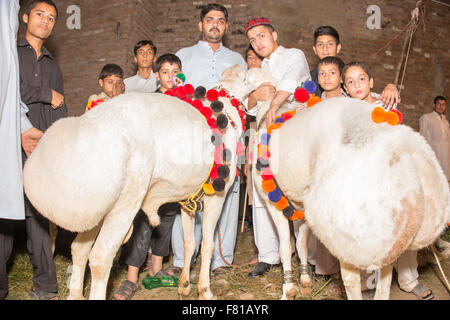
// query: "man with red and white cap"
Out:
[290,68]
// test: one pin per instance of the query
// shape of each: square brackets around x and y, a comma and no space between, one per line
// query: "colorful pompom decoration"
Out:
[310,86]
[301,95]
[269,184]
[392,117]
[94,103]
[313,100]
[212,95]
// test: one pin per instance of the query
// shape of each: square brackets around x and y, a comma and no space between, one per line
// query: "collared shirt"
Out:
[435,128]
[289,67]
[341,94]
[138,84]
[38,77]
[203,66]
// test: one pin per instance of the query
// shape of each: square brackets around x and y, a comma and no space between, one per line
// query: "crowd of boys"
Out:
[42,98]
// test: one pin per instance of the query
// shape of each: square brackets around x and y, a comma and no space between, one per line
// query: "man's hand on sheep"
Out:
[280,97]
[30,140]
[264,92]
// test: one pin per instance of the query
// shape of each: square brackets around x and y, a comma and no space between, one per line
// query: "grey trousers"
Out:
[228,223]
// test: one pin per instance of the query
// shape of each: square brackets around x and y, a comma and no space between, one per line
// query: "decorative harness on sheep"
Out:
[217,121]
[303,94]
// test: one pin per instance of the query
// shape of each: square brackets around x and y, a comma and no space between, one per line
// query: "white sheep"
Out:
[370,191]
[91,174]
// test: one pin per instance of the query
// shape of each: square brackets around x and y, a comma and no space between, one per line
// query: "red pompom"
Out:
[222,93]
[239,148]
[180,92]
[188,100]
[400,115]
[214,175]
[197,104]
[189,89]
[267,174]
[241,113]
[207,112]
[170,93]
[212,123]
[286,116]
[212,94]
[234,102]
[301,95]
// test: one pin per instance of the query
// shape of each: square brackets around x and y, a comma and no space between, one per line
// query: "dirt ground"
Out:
[237,286]
[233,286]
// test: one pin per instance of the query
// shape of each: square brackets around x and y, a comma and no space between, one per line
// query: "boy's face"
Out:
[213,26]
[40,21]
[326,46]
[357,83]
[263,41]
[166,73]
[440,106]
[112,85]
[329,76]
[253,61]
[144,56]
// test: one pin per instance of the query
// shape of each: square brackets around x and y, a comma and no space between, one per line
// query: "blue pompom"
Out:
[265,139]
[310,86]
[279,120]
[275,195]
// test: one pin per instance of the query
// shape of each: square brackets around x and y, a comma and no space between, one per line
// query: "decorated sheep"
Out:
[369,189]
[91,174]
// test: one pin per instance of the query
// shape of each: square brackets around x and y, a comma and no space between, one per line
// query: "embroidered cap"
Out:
[256,22]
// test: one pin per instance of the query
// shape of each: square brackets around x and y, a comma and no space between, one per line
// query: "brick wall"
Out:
[109,30]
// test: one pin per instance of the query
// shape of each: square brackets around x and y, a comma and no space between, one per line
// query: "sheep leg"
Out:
[384,283]
[282,224]
[188,222]
[80,249]
[213,209]
[302,249]
[352,281]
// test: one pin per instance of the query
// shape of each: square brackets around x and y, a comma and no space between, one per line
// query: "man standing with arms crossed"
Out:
[203,64]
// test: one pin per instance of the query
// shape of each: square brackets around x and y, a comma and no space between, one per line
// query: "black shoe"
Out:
[260,269]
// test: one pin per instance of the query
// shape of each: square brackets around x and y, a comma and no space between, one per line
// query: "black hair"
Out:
[168,57]
[333,60]
[248,50]
[144,43]
[34,3]
[213,6]
[439,98]
[355,64]
[326,31]
[110,69]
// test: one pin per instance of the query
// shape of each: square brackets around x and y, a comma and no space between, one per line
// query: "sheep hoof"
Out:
[207,295]
[305,291]
[184,289]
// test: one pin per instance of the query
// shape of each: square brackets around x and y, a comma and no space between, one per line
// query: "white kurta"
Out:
[13,120]
[435,129]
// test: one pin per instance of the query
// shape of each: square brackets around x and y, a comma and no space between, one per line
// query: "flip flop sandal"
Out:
[420,289]
[42,295]
[127,290]
[174,271]
[161,279]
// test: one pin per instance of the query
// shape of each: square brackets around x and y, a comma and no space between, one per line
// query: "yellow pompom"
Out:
[208,189]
